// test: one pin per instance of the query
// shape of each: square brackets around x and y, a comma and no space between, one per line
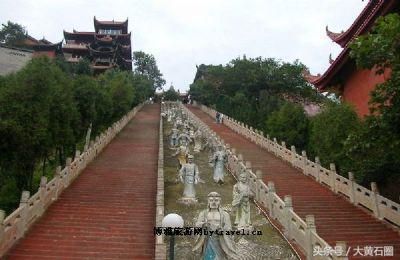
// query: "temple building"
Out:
[48,49]
[109,46]
[343,77]
[14,58]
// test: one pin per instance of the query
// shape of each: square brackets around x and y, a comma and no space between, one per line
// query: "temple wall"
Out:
[12,60]
[358,86]
[50,54]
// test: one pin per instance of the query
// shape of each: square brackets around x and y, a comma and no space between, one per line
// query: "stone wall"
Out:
[12,60]
[160,247]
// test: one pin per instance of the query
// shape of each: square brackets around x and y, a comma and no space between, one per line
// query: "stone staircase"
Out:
[336,219]
[108,212]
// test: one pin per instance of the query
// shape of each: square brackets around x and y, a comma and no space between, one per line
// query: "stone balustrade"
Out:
[160,247]
[381,207]
[302,232]
[31,208]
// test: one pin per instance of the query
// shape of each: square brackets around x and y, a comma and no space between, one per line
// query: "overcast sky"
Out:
[183,33]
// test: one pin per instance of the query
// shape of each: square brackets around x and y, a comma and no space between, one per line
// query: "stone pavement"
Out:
[108,212]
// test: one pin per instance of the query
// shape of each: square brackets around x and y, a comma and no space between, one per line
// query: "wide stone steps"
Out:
[336,218]
[108,212]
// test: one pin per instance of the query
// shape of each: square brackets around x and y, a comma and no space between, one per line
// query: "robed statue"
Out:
[241,202]
[218,161]
[189,176]
[217,246]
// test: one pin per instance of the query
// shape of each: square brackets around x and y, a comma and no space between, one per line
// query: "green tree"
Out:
[289,124]
[119,86]
[145,64]
[249,89]
[12,34]
[329,131]
[24,111]
[63,118]
[375,148]
[171,94]
[143,88]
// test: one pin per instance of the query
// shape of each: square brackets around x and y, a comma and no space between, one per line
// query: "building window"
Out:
[110,31]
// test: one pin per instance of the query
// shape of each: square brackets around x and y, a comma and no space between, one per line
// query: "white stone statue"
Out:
[218,161]
[177,123]
[189,176]
[182,153]
[241,202]
[191,134]
[217,246]
[184,139]
[169,116]
[198,136]
[174,138]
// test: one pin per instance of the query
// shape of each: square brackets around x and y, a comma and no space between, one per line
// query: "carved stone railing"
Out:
[381,207]
[295,229]
[31,208]
[160,247]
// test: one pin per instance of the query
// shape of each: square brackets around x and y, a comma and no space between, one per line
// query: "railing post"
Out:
[310,221]
[283,151]
[288,215]
[351,188]
[333,177]
[68,177]
[304,156]
[42,195]
[275,149]
[267,143]
[58,183]
[248,172]
[271,197]
[2,227]
[77,154]
[259,175]
[374,198]
[342,250]
[317,169]
[294,153]
[23,222]
[248,165]
[239,165]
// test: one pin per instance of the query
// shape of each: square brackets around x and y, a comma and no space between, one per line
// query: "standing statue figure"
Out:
[215,246]
[198,136]
[217,117]
[184,139]
[218,161]
[191,134]
[241,202]
[182,153]
[174,138]
[170,115]
[189,176]
[178,123]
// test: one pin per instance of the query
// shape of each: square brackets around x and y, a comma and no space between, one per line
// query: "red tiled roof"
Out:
[124,23]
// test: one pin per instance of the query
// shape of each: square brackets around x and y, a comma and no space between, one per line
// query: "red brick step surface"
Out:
[336,218]
[108,212]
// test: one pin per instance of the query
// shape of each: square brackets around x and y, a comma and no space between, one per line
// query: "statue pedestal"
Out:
[187,201]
